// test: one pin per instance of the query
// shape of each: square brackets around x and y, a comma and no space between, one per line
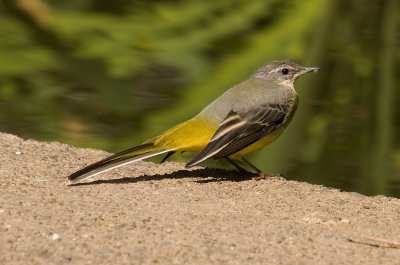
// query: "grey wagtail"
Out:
[245,118]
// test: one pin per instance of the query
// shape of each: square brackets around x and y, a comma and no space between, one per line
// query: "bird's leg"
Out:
[239,168]
[242,159]
[168,155]
[260,176]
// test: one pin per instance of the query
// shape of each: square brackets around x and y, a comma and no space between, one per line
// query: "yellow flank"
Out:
[192,135]
[260,143]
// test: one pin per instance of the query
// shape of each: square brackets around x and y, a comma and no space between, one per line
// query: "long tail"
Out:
[118,160]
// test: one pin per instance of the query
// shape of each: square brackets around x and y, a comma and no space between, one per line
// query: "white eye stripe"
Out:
[281,71]
[278,70]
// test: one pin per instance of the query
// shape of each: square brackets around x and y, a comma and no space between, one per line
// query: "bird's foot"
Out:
[260,176]
[263,175]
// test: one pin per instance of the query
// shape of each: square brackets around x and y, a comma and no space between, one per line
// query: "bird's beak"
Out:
[309,69]
[306,70]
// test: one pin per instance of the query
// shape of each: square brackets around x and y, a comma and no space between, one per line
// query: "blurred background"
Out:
[110,74]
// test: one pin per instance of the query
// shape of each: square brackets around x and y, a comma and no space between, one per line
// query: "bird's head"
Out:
[285,72]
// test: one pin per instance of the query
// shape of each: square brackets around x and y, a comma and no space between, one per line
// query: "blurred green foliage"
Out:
[110,74]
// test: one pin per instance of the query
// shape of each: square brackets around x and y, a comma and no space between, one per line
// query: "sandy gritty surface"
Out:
[162,214]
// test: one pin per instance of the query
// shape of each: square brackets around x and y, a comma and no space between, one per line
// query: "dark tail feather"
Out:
[122,158]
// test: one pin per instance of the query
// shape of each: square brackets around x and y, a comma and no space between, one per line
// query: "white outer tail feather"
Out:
[100,170]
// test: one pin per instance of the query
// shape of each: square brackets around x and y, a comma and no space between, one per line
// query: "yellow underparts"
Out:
[260,143]
[194,134]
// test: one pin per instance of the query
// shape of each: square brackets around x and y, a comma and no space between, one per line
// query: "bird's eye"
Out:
[285,71]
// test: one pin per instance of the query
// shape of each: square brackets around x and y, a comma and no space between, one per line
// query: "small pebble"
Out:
[54,236]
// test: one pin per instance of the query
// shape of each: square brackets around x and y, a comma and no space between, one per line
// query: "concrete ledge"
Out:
[162,214]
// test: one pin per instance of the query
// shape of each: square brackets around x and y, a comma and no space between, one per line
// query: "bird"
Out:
[245,118]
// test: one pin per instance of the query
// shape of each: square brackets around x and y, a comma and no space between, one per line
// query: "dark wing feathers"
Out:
[244,141]
[239,130]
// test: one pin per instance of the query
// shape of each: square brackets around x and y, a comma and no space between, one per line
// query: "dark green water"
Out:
[109,75]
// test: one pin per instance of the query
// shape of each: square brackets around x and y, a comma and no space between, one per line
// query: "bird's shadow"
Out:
[207,175]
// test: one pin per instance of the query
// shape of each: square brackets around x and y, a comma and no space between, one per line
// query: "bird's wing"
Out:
[240,129]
